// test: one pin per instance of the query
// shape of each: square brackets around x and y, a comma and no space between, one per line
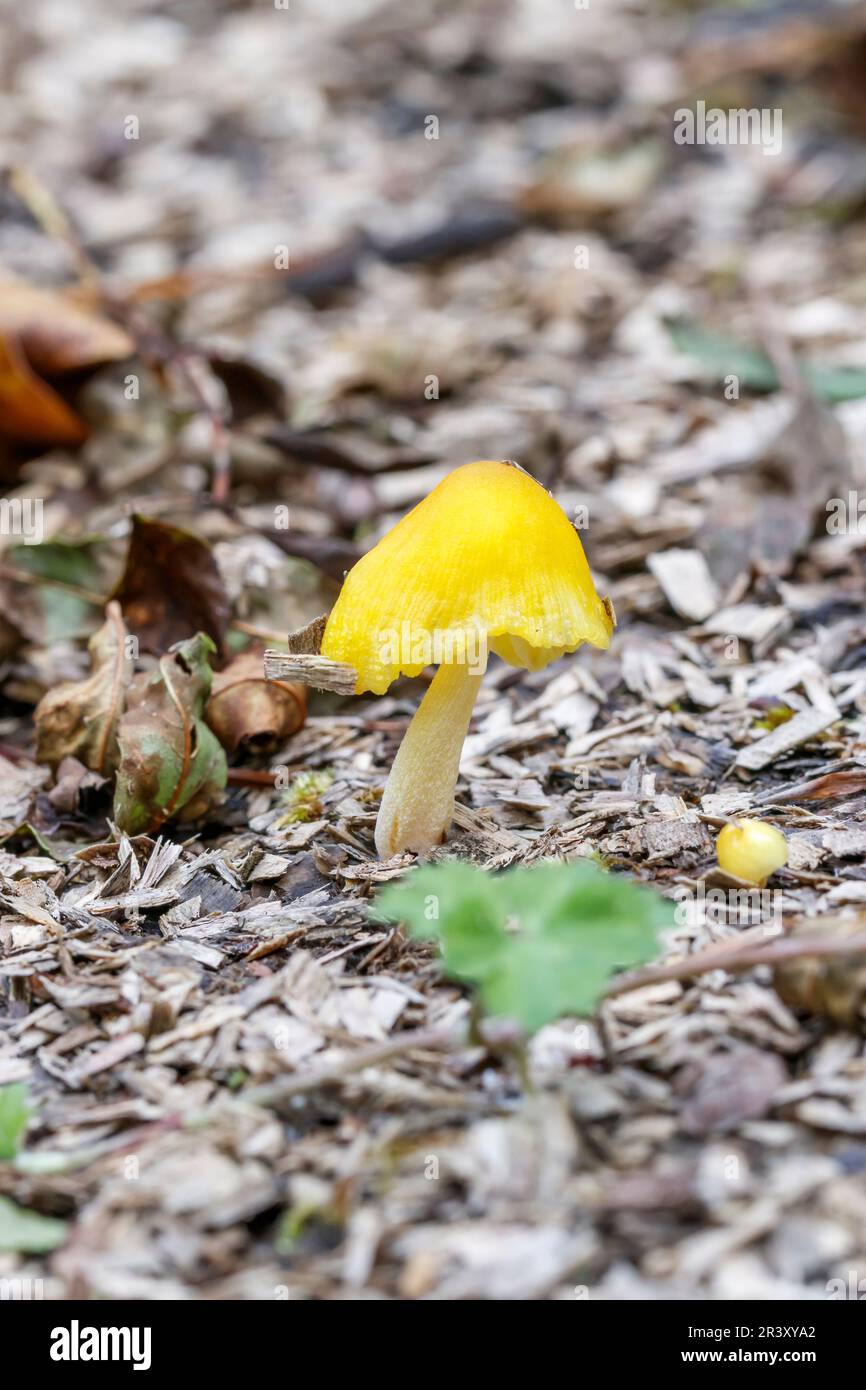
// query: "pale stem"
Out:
[418,802]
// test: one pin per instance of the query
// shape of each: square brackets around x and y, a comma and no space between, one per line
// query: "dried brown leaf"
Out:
[79,719]
[57,331]
[831,985]
[171,587]
[245,708]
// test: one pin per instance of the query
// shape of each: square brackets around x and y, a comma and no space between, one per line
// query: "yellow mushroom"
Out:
[487,562]
[751,850]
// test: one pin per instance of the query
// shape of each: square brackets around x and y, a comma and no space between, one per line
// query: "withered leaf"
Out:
[169,759]
[79,718]
[58,331]
[307,641]
[824,788]
[171,587]
[74,784]
[831,982]
[19,783]
[244,708]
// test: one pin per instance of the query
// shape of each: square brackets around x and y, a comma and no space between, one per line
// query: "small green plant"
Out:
[773,717]
[28,1232]
[299,1221]
[14,1115]
[303,798]
[22,1231]
[536,943]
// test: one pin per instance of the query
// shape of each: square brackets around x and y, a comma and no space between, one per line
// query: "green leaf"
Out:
[27,1231]
[835,384]
[14,1114]
[538,942]
[60,850]
[721,356]
[65,614]
[457,905]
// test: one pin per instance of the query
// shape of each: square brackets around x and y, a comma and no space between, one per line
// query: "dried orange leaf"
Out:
[29,408]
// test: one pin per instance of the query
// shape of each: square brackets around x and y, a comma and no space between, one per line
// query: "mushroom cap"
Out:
[489,556]
[751,850]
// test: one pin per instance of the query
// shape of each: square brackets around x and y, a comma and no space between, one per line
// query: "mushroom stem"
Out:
[418,802]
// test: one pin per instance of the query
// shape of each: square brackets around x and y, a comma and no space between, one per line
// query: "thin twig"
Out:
[264,634]
[737,957]
[253,777]
[414,1040]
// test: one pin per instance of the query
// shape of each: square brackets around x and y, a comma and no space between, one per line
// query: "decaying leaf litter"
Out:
[235,1074]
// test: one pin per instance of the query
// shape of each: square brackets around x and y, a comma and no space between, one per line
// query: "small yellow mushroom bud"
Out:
[751,850]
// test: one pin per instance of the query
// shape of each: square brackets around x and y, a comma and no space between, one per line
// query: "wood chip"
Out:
[686,583]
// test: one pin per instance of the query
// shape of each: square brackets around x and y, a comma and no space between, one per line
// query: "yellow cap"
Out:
[488,554]
[751,850]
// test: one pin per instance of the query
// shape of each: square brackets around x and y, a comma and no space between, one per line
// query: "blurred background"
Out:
[398,236]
